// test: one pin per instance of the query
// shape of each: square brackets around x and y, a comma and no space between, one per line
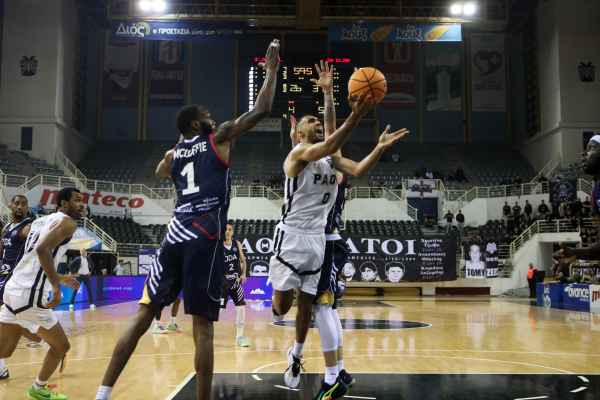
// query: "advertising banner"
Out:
[576,295]
[187,31]
[166,73]
[421,188]
[595,298]
[85,239]
[549,295]
[443,77]
[360,33]
[373,259]
[398,67]
[564,190]
[120,75]
[100,202]
[488,73]
[481,260]
[146,256]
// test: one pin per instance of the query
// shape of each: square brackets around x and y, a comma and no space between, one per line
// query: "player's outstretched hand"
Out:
[361,105]
[325,76]
[69,281]
[56,298]
[272,59]
[565,255]
[388,139]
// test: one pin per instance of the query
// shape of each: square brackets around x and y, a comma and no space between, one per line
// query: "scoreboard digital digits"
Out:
[296,95]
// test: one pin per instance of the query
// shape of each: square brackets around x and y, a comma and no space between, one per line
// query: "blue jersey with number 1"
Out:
[203,183]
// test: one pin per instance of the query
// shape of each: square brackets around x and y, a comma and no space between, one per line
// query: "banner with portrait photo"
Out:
[443,77]
[481,260]
[120,75]
[563,190]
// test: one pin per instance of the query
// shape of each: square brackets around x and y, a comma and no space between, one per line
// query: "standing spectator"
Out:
[578,208]
[98,270]
[558,176]
[510,221]
[120,268]
[518,181]
[542,210]
[517,212]
[528,209]
[82,268]
[532,281]
[584,237]
[126,215]
[395,158]
[39,208]
[255,184]
[460,175]
[555,208]
[506,182]
[586,207]
[544,181]
[449,218]
[505,213]
[460,222]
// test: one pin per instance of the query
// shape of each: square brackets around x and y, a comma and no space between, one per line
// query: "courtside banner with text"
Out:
[188,31]
[360,33]
[373,259]
[481,260]
[100,202]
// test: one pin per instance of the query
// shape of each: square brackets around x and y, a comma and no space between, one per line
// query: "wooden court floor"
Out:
[471,335]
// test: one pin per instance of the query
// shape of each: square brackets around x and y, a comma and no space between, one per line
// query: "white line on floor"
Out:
[181,386]
[533,398]
[579,389]
[256,377]
[358,397]
[287,388]
[583,378]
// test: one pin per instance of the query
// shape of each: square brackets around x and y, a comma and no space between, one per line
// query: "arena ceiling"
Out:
[491,15]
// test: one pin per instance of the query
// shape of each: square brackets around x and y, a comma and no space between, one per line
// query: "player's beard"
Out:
[18,218]
[207,127]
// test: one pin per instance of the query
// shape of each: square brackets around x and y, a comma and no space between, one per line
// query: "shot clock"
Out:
[296,94]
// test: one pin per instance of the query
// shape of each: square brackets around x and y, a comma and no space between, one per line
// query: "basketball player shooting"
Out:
[336,251]
[26,295]
[192,254]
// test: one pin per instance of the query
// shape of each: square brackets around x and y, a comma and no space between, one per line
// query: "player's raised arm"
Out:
[325,82]
[333,143]
[366,165]
[262,108]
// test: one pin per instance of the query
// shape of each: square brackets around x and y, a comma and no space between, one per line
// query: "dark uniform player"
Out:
[14,236]
[234,276]
[191,254]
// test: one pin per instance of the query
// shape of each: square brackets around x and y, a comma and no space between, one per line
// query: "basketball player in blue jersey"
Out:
[336,250]
[590,161]
[192,252]
[234,276]
[14,236]
[27,302]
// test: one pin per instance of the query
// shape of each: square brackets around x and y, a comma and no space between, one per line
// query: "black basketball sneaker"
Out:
[348,380]
[331,392]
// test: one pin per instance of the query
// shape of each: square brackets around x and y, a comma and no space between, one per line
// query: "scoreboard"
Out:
[296,95]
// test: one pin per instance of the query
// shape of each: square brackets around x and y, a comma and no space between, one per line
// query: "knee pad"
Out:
[326,326]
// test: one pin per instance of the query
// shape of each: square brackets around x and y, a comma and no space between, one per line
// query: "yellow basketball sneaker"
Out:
[45,393]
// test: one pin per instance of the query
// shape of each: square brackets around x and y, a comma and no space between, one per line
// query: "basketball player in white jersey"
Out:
[327,321]
[26,295]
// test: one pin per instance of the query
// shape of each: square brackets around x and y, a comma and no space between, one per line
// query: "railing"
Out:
[63,160]
[110,243]
[584,186]
[12,180]
[552,165]
[383,193]
[131,249]
[5,214]
[257,191]
[46,180]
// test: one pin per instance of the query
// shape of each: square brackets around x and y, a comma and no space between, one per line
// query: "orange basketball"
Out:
[368,81]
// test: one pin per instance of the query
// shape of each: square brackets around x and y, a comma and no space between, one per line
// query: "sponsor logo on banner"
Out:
[166,74]
[587,72]
[395,32]
[356,33]
[398,67]
[577,295]
[488,73]
[181,30]
[106,203]
[29,66]
[595,296]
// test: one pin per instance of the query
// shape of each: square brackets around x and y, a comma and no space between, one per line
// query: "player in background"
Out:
[26,294]
[336,251]
[234,276]
[14,236]
[192,252]
[172,326]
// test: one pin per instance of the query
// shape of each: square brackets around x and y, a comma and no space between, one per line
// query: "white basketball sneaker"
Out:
[292,373]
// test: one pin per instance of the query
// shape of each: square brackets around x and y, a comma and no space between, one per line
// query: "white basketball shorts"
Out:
[297,258]
[19,310]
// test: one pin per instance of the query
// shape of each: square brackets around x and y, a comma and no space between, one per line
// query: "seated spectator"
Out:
[429,220]
[477,239]
[255,181]
[525,220]
[429,175]
[506,182]
[518,181]
[381,183]
[395,158]
[486,239]
[88,212]
[506,239]
[370,183]
[451,177]
[515,233]
[460,175]
[126,215]
[558,176]
[39,208]
[584,235]
[588,276]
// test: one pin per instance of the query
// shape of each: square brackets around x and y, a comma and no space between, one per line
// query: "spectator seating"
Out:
[122,231]
[43,167]
[573,171]
[494,229]
[7,166]
[381,227]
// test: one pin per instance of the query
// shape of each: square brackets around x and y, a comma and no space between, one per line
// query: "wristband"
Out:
[330,93]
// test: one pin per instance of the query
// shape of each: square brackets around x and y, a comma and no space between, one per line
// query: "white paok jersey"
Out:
[310,195]
[28,274]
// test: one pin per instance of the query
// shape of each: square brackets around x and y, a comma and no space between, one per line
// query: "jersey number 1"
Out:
[189,171]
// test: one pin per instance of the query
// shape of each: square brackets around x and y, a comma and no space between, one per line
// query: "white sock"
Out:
[37,385]
[331,374]
[2,364]
[44,344]
[172,322]
[297,350]
[241,316]
[156,323]
[340,365]
[104,393]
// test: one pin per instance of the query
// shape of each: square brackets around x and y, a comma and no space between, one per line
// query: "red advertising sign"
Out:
[399,69]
